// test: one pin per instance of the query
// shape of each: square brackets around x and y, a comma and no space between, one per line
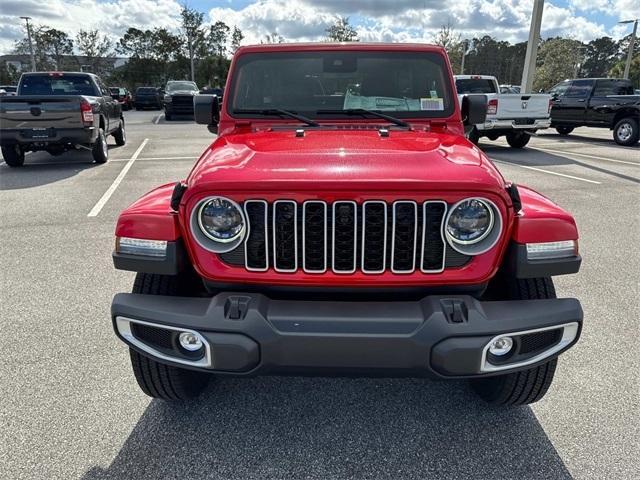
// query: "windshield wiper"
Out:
[364,111]
[278,111]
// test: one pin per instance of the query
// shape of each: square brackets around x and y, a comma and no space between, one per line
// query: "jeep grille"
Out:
[345,237]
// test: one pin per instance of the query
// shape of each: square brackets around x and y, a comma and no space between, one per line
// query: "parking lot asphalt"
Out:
[71,408]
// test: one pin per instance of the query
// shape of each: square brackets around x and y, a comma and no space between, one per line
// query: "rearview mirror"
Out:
[473,109]
[206,111]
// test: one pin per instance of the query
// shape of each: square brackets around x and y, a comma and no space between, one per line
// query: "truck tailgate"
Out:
[514,105]
[36,112]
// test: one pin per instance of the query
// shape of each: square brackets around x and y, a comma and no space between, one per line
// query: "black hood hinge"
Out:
[176,196]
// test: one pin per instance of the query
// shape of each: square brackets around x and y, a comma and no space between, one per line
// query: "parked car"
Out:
[513,116]
[597,102]
[123,96]
[59,111]
[345,234]
[147,97]
[8,90]
[509,88]
[178,98]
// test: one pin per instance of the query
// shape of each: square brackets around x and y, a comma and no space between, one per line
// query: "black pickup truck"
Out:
[59,111]
[597,102]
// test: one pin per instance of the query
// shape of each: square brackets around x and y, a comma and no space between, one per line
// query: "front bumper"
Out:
[534,124]
[437,336]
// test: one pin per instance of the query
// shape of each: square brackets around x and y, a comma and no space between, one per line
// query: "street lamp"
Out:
[632,42]
[532,47]
[33,58]
[465,48]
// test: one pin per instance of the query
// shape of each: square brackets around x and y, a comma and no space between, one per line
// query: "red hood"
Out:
[343,160]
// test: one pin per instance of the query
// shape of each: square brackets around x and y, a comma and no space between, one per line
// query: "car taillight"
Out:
[550,105]
[86,111]
[492,106]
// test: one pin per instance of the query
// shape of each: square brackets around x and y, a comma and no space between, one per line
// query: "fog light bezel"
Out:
[189,348]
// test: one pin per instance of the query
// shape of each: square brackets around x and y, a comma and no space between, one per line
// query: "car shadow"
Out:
[296,427]
[41,168]
[575,138]
[543,159]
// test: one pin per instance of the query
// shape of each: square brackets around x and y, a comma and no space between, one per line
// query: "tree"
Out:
[599,57]
[634,71]
[274,37]
[342,31]
[218,36]
[236,39]
[448,39]
[137,44]
[95,47]
[49,47]
[558,59]
[193,34]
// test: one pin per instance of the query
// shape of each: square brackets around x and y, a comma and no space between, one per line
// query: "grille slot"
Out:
[159,338]
[433,245]
[314,237]
[374,237]
[404,237]
[345,237]
[256,248]
[285,236]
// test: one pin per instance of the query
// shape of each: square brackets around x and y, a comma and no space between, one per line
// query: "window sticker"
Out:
[431,104]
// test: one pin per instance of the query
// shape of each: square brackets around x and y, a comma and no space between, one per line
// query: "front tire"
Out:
[100,150]
[13,155]
[564,131]
[626,132]
[156,379]
[167,117]
[518,139]
[525,386]
[120,135]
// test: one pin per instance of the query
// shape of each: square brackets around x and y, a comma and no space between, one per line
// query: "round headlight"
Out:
[470,221]
[221,219]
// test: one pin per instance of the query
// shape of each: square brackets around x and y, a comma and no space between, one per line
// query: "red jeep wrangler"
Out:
[341,224]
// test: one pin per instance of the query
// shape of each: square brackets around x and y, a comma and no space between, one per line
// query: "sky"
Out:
[306,20]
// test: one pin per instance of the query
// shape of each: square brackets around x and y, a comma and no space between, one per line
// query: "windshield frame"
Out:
[448,92]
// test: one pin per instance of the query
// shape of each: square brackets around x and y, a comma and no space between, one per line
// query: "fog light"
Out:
[501,346]
[190,341]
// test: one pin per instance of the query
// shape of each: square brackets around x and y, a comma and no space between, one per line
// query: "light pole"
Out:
[465,47]
[33,58]
[632,42]
[532,47]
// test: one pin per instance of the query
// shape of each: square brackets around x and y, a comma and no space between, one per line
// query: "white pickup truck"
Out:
[513,115]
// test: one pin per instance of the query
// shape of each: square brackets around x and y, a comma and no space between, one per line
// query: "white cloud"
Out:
[307,20]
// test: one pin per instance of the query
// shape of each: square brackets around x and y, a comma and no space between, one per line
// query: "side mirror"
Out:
[473,109]
[206,111]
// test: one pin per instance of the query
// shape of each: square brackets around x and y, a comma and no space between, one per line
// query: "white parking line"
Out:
[548,171]
[153,158]
[587,155]
[157,120]
[107,195]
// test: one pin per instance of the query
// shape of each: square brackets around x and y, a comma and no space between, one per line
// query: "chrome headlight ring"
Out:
[483,243]
[209,241]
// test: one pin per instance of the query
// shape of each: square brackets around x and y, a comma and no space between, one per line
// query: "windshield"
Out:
[59,84]
[173,86]
[403,84]
[146,91]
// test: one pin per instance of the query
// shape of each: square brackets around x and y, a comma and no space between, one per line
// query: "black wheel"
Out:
[626,132]
[100,150]
[120,135]
[13,155]
[157,379]
[564,130]
[167,117]
[525,386]
[518,139]
[474,136]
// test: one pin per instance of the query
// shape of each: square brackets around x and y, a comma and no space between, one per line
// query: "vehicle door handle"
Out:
[581,99]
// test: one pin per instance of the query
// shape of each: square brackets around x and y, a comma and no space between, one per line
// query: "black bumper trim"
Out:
[173,263]
[520,266]
[377,338]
